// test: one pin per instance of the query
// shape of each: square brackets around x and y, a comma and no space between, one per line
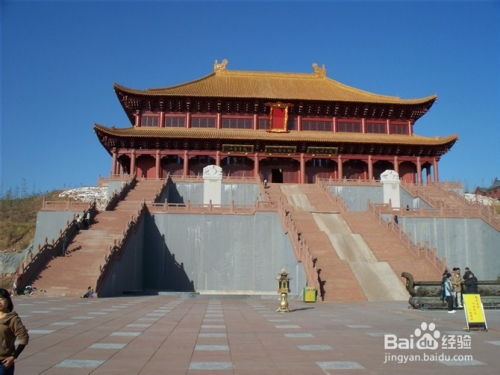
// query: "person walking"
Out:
[11,329]
[448,291]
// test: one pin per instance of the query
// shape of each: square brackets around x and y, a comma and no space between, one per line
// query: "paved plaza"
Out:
[175,334]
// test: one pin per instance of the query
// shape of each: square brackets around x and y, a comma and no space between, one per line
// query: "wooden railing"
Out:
[463,209]
[225,179]
[36,261]
[418,250]
[232,208]
[66,205]
[299,245]
[115,250]
[334,198]
[120,195]
[346,181]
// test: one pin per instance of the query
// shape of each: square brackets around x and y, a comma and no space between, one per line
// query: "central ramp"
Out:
[377,279]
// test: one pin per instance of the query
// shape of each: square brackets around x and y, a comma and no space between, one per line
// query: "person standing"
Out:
[470,282]
[448,291]
[457,281]
[11,329]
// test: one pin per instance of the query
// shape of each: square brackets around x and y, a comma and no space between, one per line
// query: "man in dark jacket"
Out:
[470,282]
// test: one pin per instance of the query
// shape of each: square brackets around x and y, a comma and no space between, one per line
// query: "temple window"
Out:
[320,125]
[375,127]
[237,123]
[149,120]
[349,126]
[263,123]
[398,128]
[203,122]
[175,122]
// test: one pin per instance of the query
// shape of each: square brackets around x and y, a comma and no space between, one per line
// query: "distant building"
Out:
[493,191]
[282,127]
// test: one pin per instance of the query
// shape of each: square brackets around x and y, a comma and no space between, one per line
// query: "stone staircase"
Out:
[336,280]
[386,246]
[356,257]
[70,275]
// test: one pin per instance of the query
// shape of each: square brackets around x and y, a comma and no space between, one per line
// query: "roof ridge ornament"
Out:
[220,67]
[319,71]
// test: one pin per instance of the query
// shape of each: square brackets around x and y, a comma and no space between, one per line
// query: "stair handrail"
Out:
[418,250]
[116,249]
[162,189]
[34,262]
[299,244]
[334,198]
[463,209]
[487,213]
[121,194]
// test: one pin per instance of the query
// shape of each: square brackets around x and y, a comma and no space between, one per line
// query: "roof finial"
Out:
[319,71]
[220,67]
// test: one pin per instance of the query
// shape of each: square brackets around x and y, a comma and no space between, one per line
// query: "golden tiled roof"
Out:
[250,135]
[223,83]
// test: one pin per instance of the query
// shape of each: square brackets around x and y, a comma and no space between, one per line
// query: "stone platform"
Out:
[170,334]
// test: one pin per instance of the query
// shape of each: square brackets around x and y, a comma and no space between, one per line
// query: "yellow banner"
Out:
[474,308]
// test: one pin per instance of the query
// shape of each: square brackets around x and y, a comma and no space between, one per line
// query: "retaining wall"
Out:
[463,242]
[218,253]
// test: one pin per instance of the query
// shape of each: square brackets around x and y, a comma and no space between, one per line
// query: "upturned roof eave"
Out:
[157,93]
[251,135]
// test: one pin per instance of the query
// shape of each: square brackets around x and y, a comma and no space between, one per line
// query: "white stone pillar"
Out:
[212,185]
[390,184]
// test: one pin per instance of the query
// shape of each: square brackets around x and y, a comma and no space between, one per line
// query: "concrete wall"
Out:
[49,224]
[114,186]
[412,202]
[462,242]
[357,197]
[182,192]
[126,272]
[222,253]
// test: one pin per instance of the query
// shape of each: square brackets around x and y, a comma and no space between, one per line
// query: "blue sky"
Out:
[59,60]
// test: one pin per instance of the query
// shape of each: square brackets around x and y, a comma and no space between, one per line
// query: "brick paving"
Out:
[172,334]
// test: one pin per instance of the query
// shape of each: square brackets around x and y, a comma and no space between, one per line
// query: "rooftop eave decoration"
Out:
[251,135]
[224,83]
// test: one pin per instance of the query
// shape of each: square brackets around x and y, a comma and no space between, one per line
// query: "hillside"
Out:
[18,220]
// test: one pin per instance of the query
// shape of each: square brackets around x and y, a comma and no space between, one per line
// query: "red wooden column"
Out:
[370,167]
[162,119]
[363,125]
[387,127]
[113,162]
[436,170]
[299,123]
[334,124]
[157,164]
[218,123]
[132,162]
[410,128]
[396,165]
[217,158]
[255,122]
[419,171]
[302,168]
[188,119]
[137,118]
[339,167]
[256,165]
[185,165]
